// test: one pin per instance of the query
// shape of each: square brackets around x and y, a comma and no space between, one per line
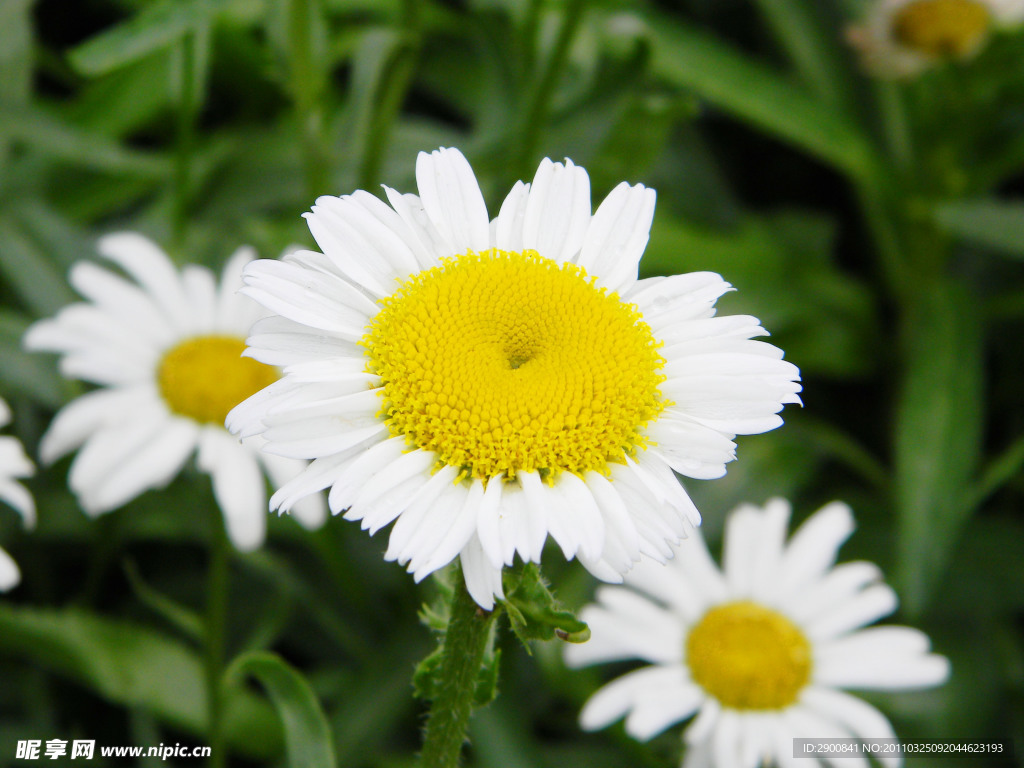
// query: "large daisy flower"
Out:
[902,38]
[487,383]
[165,348]
[758,650]
[14,464]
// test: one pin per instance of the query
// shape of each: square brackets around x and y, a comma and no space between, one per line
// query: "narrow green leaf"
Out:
[25,372]
[938,435]
[15,50]
[994,224]
[184,619]
[755,93]
[31,272]
[306,732]
[57,139]
[133,666]
[810,41]
[154,28]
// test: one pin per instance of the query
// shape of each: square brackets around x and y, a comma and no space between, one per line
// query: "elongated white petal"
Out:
[557,211]
[452,199]
[237,485]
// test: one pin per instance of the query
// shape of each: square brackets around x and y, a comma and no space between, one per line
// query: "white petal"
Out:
[9,573]
[382,465]
[201,291]
[574,518]
[536,498]
[461,527]
[119,298]
[311,511]
[557,210]
[626,625]
[873,603]
[452,199]
[84,415]
[483,579]
[235,312]
[438,497]
[890,658]
[238,486]
[309,297]
[151,268]
[489,520]
[814,546]
[118,463]
[855,715]
[839,585]
[617,236]
[622,695]
[18,497]
[276,340]
[508,226]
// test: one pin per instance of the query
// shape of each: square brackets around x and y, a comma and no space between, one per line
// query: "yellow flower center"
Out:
[749,657]
[204,377]
[942,27]
[504,362]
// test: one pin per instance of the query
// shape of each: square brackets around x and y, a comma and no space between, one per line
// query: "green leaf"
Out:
[184,619]
[753,92]
[57,139]
[24,372]
[133,666]
[154,28]
[306,733]
[30,272]
[994,224]
[535,614]
[938,435]
[809,39]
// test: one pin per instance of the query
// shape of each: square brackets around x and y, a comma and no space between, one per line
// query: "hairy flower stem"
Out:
[465,643]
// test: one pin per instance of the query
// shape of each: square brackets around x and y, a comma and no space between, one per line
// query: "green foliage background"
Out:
[877,229]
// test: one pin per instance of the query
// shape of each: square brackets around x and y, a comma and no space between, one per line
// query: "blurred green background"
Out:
[874,227]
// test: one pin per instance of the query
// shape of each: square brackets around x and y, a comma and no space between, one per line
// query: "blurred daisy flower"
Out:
[14,464]
[902,38]
[758,650]
[166,349]
[486,384]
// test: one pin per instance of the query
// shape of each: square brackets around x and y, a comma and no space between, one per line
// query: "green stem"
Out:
[465,644]
[539,103]
[216,622]
[186,127]
[308,86]
[394,87]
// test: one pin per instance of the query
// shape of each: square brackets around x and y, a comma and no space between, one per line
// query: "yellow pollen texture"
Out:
[942,27]
[205,377]
[504,362]
[749,657]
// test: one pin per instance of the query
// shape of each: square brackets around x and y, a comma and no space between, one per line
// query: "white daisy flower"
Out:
[485,384]
[758,650]
[14,464]
[902,38]
[166,349]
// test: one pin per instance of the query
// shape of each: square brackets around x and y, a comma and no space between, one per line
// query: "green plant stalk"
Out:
[307,89]
[389,101]
[185,140]
[465,644]
[216,624]
[538,105]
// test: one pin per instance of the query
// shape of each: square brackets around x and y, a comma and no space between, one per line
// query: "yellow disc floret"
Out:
[942,28]
[204,377]
[504,362]
[749,657]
